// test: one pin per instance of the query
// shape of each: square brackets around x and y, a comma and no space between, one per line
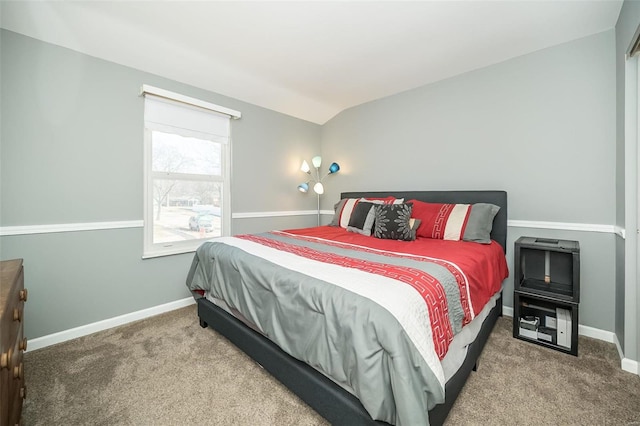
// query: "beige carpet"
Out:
[169,371]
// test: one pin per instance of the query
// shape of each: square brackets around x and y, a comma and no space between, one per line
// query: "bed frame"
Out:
[332,402]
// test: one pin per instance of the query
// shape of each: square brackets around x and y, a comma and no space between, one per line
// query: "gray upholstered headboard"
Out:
[499,198]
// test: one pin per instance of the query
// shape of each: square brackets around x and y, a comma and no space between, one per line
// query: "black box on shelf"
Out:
[547,334]
[530,323]
[529,326]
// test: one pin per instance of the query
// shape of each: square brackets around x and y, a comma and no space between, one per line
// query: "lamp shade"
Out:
[305,166]
[317,161]
[303,187]
[333,168]
[318,188]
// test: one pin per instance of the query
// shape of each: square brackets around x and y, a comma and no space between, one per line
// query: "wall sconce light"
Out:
[316,180]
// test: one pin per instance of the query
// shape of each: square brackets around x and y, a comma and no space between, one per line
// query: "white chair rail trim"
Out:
[96,226]
[566,226]
[253,215]
[68,227]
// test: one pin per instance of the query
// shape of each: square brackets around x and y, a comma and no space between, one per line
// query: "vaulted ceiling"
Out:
[308,59]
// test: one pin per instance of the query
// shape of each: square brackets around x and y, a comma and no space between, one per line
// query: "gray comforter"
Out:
[326,305]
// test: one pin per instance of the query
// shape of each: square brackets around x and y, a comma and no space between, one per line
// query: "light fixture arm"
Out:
[318,197]
[318,187]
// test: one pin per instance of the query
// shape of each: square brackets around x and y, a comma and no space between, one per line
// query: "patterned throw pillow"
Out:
[362,218]
[393,222]
[468,222]
[345,207]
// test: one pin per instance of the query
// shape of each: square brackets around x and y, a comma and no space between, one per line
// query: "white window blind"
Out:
[185,120]
[187,100]
[187,171]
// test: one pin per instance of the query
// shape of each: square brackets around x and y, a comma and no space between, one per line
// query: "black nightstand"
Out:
[547,292]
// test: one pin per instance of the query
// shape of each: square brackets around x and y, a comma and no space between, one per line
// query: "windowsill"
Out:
[175,248]
[168,252]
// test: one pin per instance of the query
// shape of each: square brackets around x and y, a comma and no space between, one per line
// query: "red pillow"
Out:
[441,221]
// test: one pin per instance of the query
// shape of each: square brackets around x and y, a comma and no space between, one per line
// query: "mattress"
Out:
[387,320]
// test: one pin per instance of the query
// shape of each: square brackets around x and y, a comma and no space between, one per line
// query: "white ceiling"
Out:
[308,59]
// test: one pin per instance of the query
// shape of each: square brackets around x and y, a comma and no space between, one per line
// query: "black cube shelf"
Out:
[547,292]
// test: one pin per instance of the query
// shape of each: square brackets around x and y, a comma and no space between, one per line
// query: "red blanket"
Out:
[483,266]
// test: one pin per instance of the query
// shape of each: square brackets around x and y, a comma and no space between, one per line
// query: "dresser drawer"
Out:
[16,387]
[16,380]
[13,296]
[13,330]
[13,310]
[12,386]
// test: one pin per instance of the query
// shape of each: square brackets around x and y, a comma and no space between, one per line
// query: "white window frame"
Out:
[150,249]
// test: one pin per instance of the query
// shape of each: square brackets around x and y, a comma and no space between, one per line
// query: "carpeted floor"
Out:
[168,371]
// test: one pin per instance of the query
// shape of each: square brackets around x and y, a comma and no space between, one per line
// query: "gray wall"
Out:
[627,24]
[71,152]
[541,126]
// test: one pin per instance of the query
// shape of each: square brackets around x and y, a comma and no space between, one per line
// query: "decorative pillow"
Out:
[480,223]
[384,200]
[341,208]
[414,224]
[344,208]
[362,218]
[393,222]
[468,222]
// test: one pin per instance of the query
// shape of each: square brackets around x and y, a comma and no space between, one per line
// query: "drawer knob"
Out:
[23,344]
[17,315]
[18,371]
[23,392]
[24,294]
[4,359]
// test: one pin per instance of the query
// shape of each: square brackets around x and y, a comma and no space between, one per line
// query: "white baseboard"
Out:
[73,333]
[507,311]
[618,346]
[596,333]
[631,366]
[610,337]
[626,364]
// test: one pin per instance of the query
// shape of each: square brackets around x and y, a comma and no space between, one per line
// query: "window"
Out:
[187,172]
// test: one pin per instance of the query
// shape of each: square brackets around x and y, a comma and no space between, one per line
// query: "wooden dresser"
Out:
[13,344]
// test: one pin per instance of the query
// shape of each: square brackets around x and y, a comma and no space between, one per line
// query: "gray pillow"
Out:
[362,218]
[337,208]
[480,223]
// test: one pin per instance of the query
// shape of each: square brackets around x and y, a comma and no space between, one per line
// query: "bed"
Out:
[347,379]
